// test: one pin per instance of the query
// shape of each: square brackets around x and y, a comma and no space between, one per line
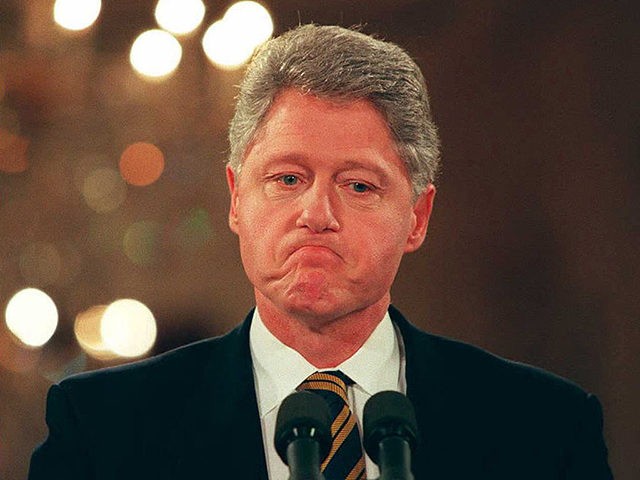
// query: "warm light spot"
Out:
[225,46]
[230,42]
[32,317]
[40,263]
[87,328]
[104,190]
[140,242]
[179,16]
[141,164]
[13,152]
[252,19]
[155,54]
[128,328]
[76,14]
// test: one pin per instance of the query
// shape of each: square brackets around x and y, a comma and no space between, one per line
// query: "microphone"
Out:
[390,434]
[303,434]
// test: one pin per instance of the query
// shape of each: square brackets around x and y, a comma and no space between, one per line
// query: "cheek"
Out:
[390,231]
[380,246]
[252,216]
[388,254]
[260,230]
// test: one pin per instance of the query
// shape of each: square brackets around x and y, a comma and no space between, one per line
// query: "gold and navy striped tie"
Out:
[345,460]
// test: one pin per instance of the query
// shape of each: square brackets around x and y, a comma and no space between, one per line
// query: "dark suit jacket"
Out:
[192,413]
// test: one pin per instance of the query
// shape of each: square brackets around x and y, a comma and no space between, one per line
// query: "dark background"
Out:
[532,250]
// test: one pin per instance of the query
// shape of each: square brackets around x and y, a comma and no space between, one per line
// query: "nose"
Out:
[318,210]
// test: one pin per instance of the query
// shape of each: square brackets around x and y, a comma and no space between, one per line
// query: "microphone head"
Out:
[387,414]
[303,415]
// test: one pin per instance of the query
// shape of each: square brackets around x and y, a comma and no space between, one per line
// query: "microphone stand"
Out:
[304,459]
[394,459]
[390,434]
[303,434]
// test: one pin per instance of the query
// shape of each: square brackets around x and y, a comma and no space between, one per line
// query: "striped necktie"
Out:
[345,460]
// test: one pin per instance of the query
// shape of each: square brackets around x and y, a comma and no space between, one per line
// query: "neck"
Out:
[323,342]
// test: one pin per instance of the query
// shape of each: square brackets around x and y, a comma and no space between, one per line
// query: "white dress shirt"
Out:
[278,369]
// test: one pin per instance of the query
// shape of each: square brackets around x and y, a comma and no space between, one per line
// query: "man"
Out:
[331,171]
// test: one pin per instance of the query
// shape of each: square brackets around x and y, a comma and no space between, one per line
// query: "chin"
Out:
[308,306]
[323,308]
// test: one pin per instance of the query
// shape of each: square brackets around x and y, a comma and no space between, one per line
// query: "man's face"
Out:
[323,208]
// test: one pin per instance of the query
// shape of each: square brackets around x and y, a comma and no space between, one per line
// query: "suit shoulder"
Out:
[463,365]
[489,390]
[475,360]
[172,370]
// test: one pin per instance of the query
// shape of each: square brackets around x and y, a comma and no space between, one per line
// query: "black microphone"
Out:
[303,434]
[390,434]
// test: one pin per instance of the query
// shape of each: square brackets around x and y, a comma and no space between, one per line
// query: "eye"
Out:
[289,180]
[360,187]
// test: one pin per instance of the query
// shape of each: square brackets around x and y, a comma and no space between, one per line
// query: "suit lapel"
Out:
[424,370]
[454,439]
[219,433]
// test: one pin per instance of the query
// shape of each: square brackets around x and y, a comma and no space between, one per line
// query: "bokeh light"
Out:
[87,328]
[230,42]
[76,14]
[141,240]
[155,54]
[13,152]
[128,328]
[141,164]
[179,17]
[32,316]
[104,190]
[226,47]
[40,263]
[253,19]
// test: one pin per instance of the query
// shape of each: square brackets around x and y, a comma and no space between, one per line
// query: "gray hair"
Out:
[342,64]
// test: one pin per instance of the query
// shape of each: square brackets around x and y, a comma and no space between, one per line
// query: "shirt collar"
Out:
[374,367]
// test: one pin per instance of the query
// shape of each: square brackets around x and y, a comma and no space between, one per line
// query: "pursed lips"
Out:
[321,248]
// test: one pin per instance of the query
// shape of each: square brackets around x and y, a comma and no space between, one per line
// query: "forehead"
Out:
[304,125]
[291,107]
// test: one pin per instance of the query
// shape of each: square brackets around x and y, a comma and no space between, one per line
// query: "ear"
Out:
[421,213]
[233,190]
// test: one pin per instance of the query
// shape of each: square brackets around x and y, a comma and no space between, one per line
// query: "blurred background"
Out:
[113,204]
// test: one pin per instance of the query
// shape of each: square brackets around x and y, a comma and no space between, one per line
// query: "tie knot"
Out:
[333,381]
